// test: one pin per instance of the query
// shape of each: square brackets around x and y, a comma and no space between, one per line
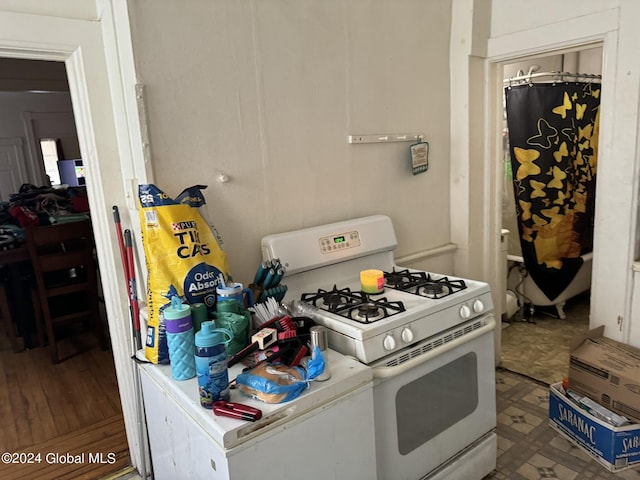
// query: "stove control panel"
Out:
[400,332]
[342,241]
[477,306]
[389,343]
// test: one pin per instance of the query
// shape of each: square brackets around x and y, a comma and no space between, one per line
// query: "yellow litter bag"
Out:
[183,255]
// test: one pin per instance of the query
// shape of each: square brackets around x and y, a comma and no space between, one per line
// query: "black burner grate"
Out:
[422,283]
[356,305]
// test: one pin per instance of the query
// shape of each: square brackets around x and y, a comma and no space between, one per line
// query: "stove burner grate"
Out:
[355,305]
[423,283]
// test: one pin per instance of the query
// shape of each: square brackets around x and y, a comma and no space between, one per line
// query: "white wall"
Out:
[268,91]
[15,104]
[517,16]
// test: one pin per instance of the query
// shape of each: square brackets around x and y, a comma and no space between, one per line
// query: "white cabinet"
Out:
[313,440]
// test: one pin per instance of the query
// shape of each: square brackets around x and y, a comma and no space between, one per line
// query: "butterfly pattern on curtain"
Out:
[553,136]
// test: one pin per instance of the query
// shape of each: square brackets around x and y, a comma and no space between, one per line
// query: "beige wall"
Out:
[267,92]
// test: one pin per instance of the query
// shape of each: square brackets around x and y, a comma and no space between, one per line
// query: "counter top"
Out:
[347,375]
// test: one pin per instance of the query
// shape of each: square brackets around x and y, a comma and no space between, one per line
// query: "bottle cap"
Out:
[177,316]
[210,336]
[176,310]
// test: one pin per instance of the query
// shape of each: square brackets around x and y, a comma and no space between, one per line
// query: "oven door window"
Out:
[432,403]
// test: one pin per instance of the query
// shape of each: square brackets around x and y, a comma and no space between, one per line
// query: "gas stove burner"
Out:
[355,305]
[394,281]
[432,289]
[422,283]
[368,312]
[331,299]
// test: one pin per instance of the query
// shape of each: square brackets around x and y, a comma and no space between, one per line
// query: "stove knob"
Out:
[478,306]
[407,335]
[465,312]
[389,343]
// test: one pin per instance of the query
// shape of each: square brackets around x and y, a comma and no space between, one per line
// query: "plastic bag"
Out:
[238,324]
[276,383]
[182,255]
[272,383]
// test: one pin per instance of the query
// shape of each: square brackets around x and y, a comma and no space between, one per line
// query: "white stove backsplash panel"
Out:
[324,245]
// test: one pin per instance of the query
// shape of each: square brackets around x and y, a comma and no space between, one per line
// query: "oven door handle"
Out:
[386,372]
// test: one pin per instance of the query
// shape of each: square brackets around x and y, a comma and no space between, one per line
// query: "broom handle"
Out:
[123,256]
[127,272]
[133,289]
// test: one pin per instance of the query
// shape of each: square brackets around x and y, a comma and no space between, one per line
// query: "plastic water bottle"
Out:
[180,339]
[211,363]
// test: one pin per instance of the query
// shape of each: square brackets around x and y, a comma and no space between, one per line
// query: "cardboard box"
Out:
[606,371]
[616,448]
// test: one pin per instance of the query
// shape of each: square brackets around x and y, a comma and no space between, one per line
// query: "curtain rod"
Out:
[522,77]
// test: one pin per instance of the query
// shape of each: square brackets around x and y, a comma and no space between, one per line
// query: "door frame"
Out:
[96,54]
[14,144]
[612,275]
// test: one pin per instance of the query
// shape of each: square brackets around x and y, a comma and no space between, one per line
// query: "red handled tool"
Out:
[236,410]
[126,252]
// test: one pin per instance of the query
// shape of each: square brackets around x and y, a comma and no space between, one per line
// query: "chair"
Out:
[7,320]
[66,277]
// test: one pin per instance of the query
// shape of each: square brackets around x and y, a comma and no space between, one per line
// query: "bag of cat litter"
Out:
[183,258]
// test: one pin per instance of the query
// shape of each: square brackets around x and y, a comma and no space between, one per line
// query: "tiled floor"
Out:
[528,448]
[539,348]
[534,355]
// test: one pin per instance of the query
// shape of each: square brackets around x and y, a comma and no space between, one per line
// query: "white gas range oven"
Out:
[427,337]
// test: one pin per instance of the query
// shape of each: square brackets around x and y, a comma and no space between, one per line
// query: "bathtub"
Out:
[526,290]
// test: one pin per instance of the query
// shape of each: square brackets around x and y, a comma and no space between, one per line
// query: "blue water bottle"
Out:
[180,339]
[211,363]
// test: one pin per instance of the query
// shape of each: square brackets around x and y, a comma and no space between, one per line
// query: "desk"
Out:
[16,266]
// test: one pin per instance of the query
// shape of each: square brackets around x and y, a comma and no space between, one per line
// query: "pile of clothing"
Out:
[34,206]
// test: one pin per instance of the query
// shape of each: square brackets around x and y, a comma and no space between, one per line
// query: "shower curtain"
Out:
[553,142]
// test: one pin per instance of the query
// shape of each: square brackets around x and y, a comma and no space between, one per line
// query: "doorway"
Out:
[537,331]
[52,406]
[96,55]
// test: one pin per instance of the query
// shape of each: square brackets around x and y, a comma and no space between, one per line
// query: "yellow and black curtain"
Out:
[553,137]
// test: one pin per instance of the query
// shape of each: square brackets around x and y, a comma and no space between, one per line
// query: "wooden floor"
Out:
[66,418]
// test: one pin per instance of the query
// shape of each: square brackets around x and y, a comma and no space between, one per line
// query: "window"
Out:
[50,154]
